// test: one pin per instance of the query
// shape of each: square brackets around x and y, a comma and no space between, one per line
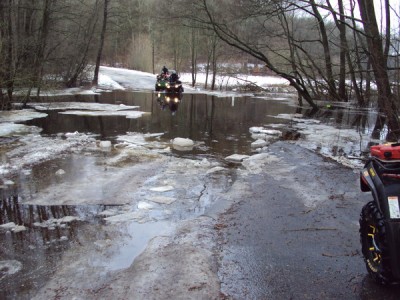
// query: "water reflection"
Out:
[38,248]
[169,101]
[221,123]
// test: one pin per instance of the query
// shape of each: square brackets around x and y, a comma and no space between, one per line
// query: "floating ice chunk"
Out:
[60,172]
[262,130]
[68,219]
[182,144]
[8,182]
[135,215]
[19,228]
[9,129]
[258,144]
[105,144]
[53,223]
[215,169]
[145,205]
[256,129]
[162,200]
[108,213]
[236,158]
[257,162]
[20,115]
[9,225]
[72,134]
[162,188]
[9,267]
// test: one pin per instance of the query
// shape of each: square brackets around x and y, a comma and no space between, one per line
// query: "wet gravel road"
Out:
[296,235]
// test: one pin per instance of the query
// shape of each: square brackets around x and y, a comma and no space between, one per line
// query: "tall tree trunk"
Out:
[327,52]
[386,100]
[343,52]
[100,50]
[194,56]
[9,73]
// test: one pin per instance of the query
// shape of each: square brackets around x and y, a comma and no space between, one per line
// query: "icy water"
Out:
[28,258]
[221,123]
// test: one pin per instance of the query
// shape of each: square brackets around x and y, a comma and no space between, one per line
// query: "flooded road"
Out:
[221,123]
[86,215]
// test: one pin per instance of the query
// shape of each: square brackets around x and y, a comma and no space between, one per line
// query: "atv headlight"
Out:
[176,100]
[176,85]
[167,99]
[167,85]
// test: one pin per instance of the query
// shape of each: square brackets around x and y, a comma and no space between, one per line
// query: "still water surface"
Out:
[222,123]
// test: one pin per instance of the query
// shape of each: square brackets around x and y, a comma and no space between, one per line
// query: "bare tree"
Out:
[386,100]
[226,33]
[101,43]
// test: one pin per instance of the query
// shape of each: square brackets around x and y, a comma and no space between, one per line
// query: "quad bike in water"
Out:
[162,80]
[380,218]
[171,101]
[174,85]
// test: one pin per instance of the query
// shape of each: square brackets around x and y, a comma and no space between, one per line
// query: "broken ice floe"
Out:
[11,129]
[236,158]
[125,113]
[162,188]
[13,227]
[105,145]
[215,170]
[344,145]
[33,149]
[258,144]
[81,106]
[22,115]
[257,162]
[60,172]
[263,136]
[9,267]
[182,144]
[52,223]
[145,205]
[265,131]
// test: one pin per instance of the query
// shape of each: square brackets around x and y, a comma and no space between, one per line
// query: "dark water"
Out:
[221,123]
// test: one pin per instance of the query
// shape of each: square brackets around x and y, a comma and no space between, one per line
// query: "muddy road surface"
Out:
[283,224]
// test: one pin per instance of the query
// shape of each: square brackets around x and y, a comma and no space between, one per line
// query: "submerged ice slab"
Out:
[20,115]
[236,158]
[11,129]
[123,113]
[81,106]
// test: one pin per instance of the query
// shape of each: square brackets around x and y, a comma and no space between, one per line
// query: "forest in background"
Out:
[335,50]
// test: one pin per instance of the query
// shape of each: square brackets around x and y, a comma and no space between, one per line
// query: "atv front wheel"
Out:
[374,244]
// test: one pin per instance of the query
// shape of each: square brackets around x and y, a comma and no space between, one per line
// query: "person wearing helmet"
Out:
[164,70]
[174,77]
